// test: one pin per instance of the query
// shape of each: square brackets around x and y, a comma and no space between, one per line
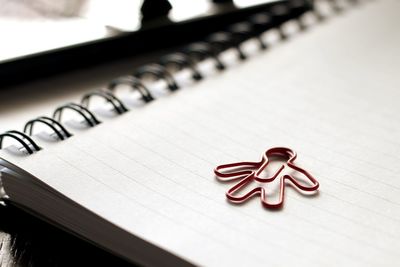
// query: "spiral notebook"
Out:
[135,175]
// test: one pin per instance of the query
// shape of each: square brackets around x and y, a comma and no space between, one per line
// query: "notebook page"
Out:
[329,94]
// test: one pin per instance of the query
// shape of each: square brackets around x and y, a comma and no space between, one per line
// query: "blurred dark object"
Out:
[119,44]
[222,1]
[27,241]
[152,9]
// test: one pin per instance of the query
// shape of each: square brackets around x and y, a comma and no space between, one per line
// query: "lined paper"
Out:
[329,94]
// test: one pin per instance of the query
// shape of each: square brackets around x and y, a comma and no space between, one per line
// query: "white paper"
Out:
[331,94]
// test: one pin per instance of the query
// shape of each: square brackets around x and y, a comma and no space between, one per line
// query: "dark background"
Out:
[27,241]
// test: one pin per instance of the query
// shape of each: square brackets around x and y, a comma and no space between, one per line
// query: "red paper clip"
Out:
[250,171]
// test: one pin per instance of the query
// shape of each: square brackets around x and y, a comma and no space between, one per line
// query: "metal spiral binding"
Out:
[297,8]
[211,48]
[182,61]
[159,72]
[261,22]
[89,117]
[135,84]
[57,127]
[22,138]
[225,40]
[117,104]
[244,31]
[280,14]
[203,50]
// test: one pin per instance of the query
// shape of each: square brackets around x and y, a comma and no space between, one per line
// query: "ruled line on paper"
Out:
[146,206]
[127,136]
[255,238]
[260,136]
[302,116]
[163,158]
[303,237]
[235,158]
[252,116]
[100,141]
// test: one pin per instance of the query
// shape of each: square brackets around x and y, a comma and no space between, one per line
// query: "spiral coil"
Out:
[88,116]
[186,58]
[117,104]
[135,84]
[27,142]
[61,132]
[182,61]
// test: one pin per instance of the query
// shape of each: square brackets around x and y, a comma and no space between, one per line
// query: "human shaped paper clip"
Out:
[248,172]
